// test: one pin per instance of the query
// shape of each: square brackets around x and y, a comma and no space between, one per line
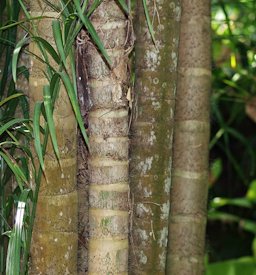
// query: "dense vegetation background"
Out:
[231,242]
[232,191]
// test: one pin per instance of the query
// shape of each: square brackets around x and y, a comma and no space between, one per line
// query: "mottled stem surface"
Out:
[151,134]
[189,189]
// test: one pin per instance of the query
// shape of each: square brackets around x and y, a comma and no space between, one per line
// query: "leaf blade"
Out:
[73,99]
[15,56]
[58,39]
[36,127]
[87,23]
[150,26]
[49,115]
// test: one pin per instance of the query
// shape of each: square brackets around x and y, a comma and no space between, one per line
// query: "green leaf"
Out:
[248,225]
[10,98]
[84,5]
[36,126]
[54,86]
[11,123]
[69,25]
[16,245]
[12,164]
[150,27]
[240,202]
[245,224]
[216,168]
[73,99]
[242,266]
[93,7]
[222,216]
[19,23]
[67,7]
[234,85]
[24,8]
[49,115]
[251,192]
[122,3]
[48,47]
[71,35]
[87,23]
[73,68]
[53,6]
[15,56]
[58,39]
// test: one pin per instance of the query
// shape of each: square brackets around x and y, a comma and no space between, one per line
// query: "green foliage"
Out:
[18,235]
[232,199]
[16,133]
[87,23]
[234,69]
[150,26]
[248,202]
[240,266]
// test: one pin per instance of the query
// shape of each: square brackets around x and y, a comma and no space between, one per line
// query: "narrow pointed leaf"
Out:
[58,39]
[93,7]
[48,47]
[24,8]
[73,99]
[36,124]
[69,25]
[19,175]
[15,56]
[150,27]
[16,239]
[49,115]
[54,86]
[87,23]
[52,5]
[71,36]
[84,5]
[124,6]
[15,140]
[73,68]
[67,7]
[11,123]
[21,22]
[10,98]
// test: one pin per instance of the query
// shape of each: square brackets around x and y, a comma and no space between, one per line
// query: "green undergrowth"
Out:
[231,226]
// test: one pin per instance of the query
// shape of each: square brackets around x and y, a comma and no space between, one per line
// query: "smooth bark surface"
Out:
[189,189]
[108,130]
[54,246]
[151,134]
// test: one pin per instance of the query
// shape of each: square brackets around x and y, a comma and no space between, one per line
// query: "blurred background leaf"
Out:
[232,186]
